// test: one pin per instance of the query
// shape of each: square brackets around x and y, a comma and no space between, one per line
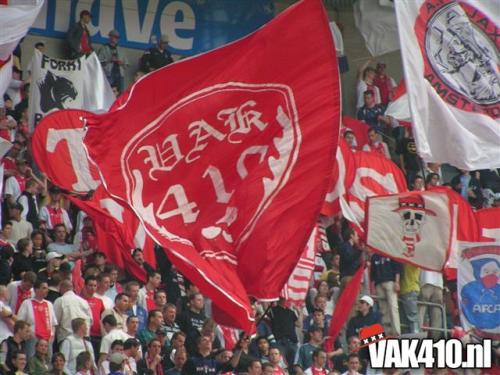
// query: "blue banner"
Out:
[193,26]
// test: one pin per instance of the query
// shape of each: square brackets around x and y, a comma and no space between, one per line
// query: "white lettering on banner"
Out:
[253,150]
[141,29]
[79,161]
[169,25]
[196,129]
[164,157]
[486,308]
[492,233]
[240,121]
[184,208]
[106,17]
[220,191]
[361,191]
[113,208]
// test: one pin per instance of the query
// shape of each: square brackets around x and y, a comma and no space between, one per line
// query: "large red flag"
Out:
[227,157]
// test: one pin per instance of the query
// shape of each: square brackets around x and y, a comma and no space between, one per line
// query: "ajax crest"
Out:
[198,157]
[460,46]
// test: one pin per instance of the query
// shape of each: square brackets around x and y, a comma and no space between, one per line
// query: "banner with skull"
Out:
[61,84]
[478,284]
[412,227]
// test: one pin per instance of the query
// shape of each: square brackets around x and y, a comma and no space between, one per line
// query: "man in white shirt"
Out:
[53,213]
[68,307]
[119,311]
[112,333]
[20,227]
[15,184]
[76,343]
[39,313]
[20,290]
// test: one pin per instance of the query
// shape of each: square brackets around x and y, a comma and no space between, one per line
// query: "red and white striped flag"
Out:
[399,107]
[295,290]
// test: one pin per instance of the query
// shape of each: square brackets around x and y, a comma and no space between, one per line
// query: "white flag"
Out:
[61,84]
[377,23]
[15,19]
[451,56]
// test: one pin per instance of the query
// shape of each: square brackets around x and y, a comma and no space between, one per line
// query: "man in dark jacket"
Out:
[157,56]
[350,256]
[365,317]
[78,36]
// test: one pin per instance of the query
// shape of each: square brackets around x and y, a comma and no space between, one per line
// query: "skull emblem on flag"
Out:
[412,212]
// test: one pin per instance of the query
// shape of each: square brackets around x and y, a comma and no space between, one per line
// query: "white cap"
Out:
[53,255]
[368,300]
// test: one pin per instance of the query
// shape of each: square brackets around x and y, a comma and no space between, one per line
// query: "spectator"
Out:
[160,299]
[6,259]
[29,200]
[58,365]
[431,290]
[384,83]
[366,75]
[350,139]
[180,359]
[39,251]
[350,256]
[318,365]
[146,296]
[84,363]
[132,325]
[170,327]
[365,317]
[7,318]
[372,113]
[154,324]
[132,289]
[19,362]
[469,187]
[22,259]
[13,344]
[78,37]
[103,283]
[20,227]
[112,333]
[131,350]
[54,260]
[254,367]
[283,323]
[39,313]
[75,343]
[353,364]
[177,342]
[60,245]
[157,56]
[410,288]
[432,180]
[117,363]
[97,308]
[53,214]
[116,348]
[16,184]
[21,290]
[39,363]
[408,157]
[113,60]
[385,275]
[119,311]
[275,360]
[192,320]
[202,362]
[304,356]
[268,369]
[69,307]
[54,284]
[114,287]
[418,184]
[375,144]
[6,235]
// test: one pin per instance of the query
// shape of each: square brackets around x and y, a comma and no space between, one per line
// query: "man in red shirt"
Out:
[39,313]
[97,308]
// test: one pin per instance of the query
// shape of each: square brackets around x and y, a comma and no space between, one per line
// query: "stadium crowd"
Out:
[115,325]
